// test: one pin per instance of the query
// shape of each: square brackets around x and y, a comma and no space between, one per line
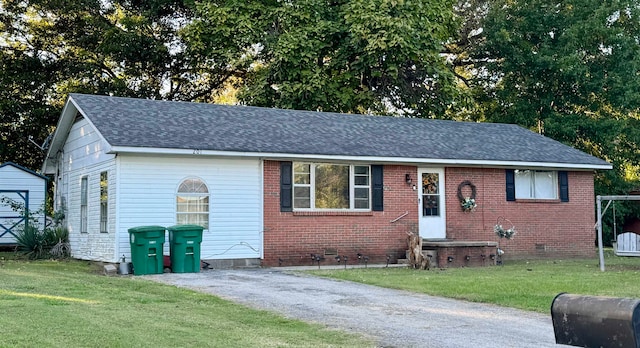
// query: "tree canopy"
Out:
[362,56]
[570,70]
[567,69]
[51,48]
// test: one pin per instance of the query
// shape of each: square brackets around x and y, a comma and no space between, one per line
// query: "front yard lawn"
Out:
[68,304]
[529,285]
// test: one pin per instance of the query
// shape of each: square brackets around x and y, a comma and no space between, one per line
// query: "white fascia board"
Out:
[372,159]
[62,132]
[60,136]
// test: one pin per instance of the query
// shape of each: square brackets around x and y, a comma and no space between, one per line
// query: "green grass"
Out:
[68,304]
[526,285]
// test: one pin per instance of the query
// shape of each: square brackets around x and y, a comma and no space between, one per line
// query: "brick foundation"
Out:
[461,253]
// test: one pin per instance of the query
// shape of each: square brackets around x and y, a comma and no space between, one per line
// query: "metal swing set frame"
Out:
[610,200]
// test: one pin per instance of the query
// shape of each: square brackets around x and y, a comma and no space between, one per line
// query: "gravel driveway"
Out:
[392,318]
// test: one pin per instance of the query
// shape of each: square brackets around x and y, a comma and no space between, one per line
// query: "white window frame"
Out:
[104,202]
[312,184]
[193,194]
[84,202]
[530,182]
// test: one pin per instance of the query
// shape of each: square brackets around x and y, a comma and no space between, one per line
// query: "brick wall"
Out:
[544,228]
[472,256]
[632,225]
[291,237]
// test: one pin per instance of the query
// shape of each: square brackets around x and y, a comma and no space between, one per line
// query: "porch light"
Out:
[407,179]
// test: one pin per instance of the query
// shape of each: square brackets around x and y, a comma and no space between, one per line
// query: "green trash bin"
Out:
[184,247]
[146,249]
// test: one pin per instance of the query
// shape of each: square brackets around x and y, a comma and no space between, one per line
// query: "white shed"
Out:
[20,188]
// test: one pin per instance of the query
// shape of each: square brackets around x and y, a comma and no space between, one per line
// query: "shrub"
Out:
[36,244]
[32,242]
[56,235]
[58,239]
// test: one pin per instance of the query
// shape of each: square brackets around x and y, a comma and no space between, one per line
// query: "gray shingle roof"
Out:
[127,122]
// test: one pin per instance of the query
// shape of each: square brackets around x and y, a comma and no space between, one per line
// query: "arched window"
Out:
[192,203]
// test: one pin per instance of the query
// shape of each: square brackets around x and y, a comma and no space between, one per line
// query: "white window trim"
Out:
[532,183]
[104,203]
[312,185]
[185,194]
[84,204]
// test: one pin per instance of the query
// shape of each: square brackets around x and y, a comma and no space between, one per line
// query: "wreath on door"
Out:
[468,203]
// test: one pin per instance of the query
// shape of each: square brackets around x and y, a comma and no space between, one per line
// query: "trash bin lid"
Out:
[142,229]
[182,228]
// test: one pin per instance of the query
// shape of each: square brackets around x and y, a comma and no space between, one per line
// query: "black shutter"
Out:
[511,184]
[563,180]
[378,188]
[286,194]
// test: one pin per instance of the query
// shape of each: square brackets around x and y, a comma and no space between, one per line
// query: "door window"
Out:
[430,194]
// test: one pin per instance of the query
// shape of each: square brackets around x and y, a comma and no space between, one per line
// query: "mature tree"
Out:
[570,70]
[363,56]
[25,82]
[381,56]
[121,47]
[466,67]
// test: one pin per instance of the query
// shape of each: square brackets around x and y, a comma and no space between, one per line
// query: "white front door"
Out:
[431,203]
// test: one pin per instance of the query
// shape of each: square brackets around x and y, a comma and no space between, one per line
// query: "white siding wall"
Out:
[12,178]
[84,155]
[147,189]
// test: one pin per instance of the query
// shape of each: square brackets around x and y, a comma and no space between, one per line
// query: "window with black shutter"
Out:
[285,186]
[537,184]
[330,186]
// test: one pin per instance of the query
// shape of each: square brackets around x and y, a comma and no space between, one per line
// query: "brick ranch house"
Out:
[273,187]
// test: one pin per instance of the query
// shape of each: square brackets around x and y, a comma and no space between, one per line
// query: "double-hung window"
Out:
[327,186]
[536,184]
[84,198]
[104,201]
